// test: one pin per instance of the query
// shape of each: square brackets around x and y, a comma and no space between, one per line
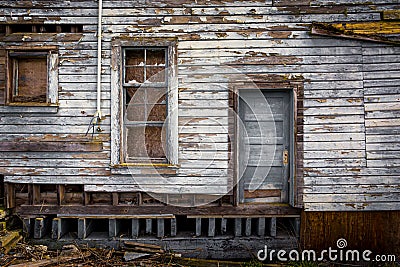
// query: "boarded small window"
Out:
[29,78]
[32,77]
[145,103]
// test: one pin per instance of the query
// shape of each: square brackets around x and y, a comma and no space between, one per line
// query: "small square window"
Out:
[29,79]
[32,77]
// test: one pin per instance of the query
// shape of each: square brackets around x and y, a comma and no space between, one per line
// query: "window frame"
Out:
[15,53]
[117,99]
[142,86]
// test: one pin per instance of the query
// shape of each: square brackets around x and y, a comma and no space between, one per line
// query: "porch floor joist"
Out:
[259,210]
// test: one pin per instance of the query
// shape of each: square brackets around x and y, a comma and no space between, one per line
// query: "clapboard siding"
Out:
[348,120]
[382,104]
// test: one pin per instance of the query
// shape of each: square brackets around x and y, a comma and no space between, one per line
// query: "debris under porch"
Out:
[55,215]
[192,236]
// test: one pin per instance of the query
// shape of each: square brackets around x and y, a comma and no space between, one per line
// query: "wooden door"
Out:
[264,147]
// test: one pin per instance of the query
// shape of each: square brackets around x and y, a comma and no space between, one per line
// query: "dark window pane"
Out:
[135,96]
[134,57]
[155,57]
[134,74]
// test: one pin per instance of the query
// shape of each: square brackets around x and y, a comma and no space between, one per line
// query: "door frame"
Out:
[294,90]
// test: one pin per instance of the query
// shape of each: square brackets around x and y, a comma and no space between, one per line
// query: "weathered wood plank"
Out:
[352,206]
[332,119]
[318,163]
[356,171]
[335,128]
[352,189]
[382,177]
[334,145]
[326,137]
[355,198]
[256,210]
[334,154]
[51,146]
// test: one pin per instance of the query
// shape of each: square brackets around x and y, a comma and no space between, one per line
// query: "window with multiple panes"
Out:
[145,103]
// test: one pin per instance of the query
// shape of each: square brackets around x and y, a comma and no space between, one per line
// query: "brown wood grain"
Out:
[375,231]
[50,146]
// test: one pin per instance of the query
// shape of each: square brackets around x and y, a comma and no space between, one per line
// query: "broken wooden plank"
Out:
[8,237]
[138,244]
[142,247]
[376,31]
[9,240]
[63,259]
[129,256]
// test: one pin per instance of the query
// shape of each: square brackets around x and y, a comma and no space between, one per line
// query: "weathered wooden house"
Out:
[221,125]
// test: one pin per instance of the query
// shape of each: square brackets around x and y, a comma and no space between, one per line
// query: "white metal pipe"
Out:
[99,37]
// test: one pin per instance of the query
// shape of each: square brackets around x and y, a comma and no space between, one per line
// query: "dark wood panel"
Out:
[262,193]
[375,231]
[109,210]
[51,146]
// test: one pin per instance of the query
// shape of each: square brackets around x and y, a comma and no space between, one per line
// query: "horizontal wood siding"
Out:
[349,118]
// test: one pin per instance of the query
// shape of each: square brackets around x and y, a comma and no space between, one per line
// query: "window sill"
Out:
[38,108]
[145,169]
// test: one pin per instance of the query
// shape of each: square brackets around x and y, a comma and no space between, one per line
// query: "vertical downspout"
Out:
[99,36]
